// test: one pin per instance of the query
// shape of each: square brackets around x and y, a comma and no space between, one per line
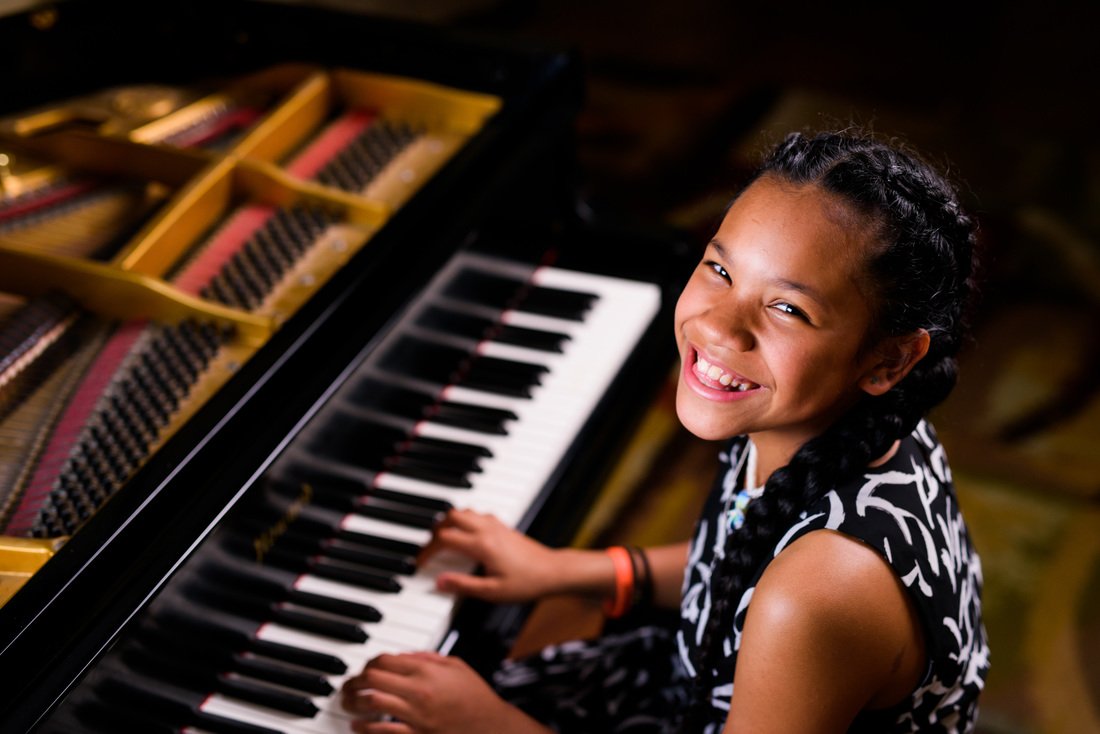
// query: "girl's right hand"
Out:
[517,568]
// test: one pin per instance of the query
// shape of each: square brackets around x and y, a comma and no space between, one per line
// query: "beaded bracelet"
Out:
[644,587]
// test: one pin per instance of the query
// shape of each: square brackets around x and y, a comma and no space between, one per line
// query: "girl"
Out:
[831,584]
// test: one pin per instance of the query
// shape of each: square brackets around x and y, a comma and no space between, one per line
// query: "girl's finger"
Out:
[367,726]
[355,699]
[465,584]
[469,520]
[460,540]
[399,663]
[375,705]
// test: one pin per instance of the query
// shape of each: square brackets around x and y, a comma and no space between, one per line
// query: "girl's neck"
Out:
[772,455]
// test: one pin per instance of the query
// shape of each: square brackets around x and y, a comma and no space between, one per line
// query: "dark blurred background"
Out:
[683,96]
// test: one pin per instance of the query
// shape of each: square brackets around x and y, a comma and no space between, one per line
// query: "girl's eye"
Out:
[792,310]
[718,269]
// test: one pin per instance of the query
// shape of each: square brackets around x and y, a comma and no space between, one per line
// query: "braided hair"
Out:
[919,271]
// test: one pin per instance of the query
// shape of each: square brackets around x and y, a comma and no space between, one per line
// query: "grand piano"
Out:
[281,286]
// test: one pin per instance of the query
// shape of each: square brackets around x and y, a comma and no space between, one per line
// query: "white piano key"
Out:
[371,526]
[354,654]
[406,609]
[325,722]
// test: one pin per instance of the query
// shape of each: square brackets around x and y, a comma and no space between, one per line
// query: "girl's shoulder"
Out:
[841,600]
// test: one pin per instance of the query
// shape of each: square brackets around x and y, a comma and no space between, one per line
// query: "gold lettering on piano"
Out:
[262,543]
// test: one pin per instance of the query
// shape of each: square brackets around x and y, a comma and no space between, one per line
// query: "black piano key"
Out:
[444,448]
[262,695]
[502,292]
[486,378]
[364,556]
[298,680]
[186,620]
[479,328]
[263,610]
[333,628]
[343,607]
[445,365]
[277,586]
[191,674]
[410,515]
[353,575]
[473,417]
[100,718]
[454,465]
[431,473]
[357,441]
[563,304]
[159,702]
[336,549]
[369,445]
[185,674]
[298,656]
[416,405]
[376,395]
[400,547]
[245,663]
[322,523]
[430,504]
[380,579]
[521,336]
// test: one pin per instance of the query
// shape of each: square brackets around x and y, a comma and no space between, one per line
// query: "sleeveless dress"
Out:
[640,679]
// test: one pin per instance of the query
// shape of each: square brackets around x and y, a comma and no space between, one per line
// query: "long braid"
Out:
[920,276]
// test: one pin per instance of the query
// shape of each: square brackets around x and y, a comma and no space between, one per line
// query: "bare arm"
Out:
[518,568]
[830,632]
[666,562]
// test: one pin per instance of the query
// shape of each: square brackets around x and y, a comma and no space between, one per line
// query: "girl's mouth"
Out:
[715,382]
[714,376]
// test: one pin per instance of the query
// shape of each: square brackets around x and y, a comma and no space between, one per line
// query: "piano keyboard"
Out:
[472,400]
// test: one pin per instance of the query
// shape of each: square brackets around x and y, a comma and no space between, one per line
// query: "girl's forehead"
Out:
[800,227]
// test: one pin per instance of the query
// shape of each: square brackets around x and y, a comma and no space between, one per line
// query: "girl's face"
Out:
[772,325]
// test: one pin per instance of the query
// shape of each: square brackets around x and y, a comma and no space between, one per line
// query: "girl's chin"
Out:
[699,423]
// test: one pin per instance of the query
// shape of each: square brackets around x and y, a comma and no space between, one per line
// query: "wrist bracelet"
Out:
[617,605]
[645,593]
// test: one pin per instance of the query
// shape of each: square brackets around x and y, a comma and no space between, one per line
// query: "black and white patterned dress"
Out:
[906,509]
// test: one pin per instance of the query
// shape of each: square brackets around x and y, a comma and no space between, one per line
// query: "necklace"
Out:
[737,503]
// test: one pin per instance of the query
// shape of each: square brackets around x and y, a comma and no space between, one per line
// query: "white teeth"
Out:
[714,372]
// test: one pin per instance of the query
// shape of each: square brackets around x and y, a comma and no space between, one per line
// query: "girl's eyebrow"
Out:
[785,283]
[802,288]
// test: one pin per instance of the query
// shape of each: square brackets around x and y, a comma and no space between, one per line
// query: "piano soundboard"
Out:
[258,332]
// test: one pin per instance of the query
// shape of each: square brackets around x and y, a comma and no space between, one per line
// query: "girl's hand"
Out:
[427,693]
[517,568]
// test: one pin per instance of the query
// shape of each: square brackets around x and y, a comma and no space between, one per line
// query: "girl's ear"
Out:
[893,359]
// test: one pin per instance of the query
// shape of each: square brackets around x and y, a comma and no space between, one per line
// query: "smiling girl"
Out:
[830,585]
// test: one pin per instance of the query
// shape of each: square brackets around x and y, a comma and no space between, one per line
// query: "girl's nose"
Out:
[727,324]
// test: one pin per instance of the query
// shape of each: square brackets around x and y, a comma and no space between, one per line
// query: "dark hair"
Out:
[919,273]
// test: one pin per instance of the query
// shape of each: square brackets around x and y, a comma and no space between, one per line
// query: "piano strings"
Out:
[287,194]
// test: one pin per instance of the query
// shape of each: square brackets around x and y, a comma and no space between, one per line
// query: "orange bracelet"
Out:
[616,606]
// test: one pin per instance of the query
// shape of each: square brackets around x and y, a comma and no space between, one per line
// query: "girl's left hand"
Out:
[427,693]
